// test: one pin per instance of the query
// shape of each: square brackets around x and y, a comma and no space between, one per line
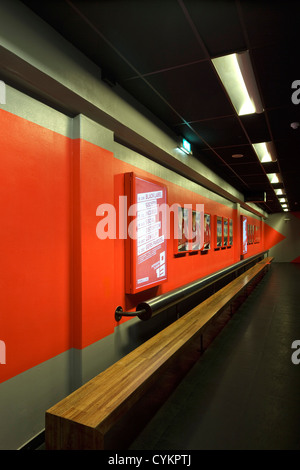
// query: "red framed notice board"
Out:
[146,242]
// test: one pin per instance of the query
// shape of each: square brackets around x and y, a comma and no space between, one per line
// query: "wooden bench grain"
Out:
[82,419]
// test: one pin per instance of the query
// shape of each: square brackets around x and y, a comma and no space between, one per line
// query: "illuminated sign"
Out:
[185,146]
[244,234]
[146,249]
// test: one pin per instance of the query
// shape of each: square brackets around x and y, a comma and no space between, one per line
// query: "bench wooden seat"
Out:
[82,419]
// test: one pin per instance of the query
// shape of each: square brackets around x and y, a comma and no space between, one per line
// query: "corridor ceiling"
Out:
[161,53]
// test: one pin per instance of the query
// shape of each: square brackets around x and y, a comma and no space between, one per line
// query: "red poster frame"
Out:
[153,261]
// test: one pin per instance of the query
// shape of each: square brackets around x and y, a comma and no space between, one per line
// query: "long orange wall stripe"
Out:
[61,284]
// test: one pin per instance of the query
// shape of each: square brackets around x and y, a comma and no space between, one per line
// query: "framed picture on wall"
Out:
[195,237]
[244,224]
[207,232]
[230,241]
[257,233]
[249,240]
[219,231]
[225,232]
[181,239]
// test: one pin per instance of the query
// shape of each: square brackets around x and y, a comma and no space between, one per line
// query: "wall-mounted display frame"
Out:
[244,234]
[230,239]
[146,241]
[181,242]
[207,232]
[250,234]
[257,233]
[195,240]
[219,231]
[187,237]
[225,232]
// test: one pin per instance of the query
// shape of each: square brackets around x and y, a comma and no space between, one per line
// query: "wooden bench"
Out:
[82,419]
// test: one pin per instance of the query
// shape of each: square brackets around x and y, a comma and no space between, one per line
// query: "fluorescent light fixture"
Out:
[282,199]
[278,192]
[185,146]
[265,152]
[284,205]
[237,76]
[274,178]
[285,210]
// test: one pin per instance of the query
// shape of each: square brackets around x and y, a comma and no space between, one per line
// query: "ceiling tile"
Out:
[226,36]
[280,122]
[145,94]
[271,167]
[245,150]
[220,132]
[256,127]
[288,155]
[275,76]
[141,29]
[256,182]
[194,91]
[270,22]
[248,169]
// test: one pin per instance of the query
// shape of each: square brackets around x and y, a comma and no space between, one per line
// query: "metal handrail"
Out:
[145,310]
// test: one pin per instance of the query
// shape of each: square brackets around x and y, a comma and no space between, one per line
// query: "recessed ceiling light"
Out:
[237,155]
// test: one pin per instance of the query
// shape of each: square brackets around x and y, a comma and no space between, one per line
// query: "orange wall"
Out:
[102,273]
[60,284]
[34,242]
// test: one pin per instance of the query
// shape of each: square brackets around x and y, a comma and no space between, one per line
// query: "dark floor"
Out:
[243,392]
